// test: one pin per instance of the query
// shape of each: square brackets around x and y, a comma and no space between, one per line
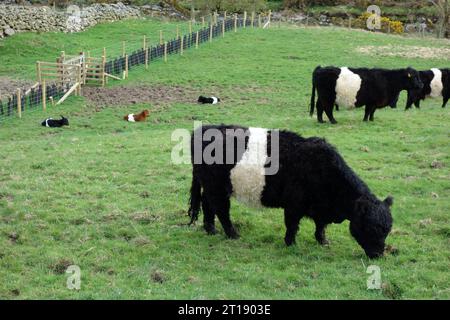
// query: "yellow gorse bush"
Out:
[387,24]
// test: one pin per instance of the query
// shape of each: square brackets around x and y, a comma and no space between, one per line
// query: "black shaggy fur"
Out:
[313,181]
[379,88]
[206,100]
[55,123]
[415,96]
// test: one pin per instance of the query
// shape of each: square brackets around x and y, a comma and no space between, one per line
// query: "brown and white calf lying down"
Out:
[310,180]
[137,117]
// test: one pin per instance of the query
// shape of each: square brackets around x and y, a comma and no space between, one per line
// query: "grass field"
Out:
[104,195]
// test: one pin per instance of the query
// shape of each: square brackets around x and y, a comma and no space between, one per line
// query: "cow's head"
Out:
[371,223]
[64,121]
[413,81]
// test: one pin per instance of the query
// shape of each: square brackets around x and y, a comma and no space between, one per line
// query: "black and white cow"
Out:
[357,87]
[311,180]
[436,83]
[208,100]
[52,123]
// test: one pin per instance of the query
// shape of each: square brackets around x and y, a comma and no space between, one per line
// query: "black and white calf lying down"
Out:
[357,87]
[208,100]
[52,123]
[307,178]
[436,84]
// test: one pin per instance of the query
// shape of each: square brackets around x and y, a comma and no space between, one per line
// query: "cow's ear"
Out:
[389,201]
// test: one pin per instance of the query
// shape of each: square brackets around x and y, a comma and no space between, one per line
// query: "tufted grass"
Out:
[104,195]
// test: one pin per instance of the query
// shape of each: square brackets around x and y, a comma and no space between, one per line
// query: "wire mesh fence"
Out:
[121,58]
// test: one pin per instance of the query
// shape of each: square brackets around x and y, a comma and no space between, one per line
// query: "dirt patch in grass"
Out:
[160,96]
[406,52]
[60,266]
[157,95]
[158,276]
[9,86]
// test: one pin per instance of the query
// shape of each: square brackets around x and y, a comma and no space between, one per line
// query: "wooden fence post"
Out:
[181,45]
[245,19]
[178,32]
[270,14]
[60,68]
[38,71]
[259,20]
[190,26]
[123,49]
[44,95]
[165,51]
[210,32]
[196,40]
[145,52]
[253,18]
[79,80]
[235,22]
[160,37]
[104,78]
[83,71]
[223,28]
[19,104]
[203,22]
[126,67]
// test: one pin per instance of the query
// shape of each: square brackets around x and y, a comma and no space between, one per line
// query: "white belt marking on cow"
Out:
[436,84]
[131,118]
[247,177]
[46,122]
[215,100]
[347,87]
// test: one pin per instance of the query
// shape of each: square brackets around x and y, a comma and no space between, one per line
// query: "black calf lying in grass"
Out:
[55,123]
[307,177]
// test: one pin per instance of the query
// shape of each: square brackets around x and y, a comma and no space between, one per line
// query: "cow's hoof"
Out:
[233,235]
[289,242]
[333,121]
[210,230]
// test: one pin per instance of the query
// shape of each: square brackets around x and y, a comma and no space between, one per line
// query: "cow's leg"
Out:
[366,113]
[319,111]
[372,112]
[329,112]
[291,220]
[409,102]
[417,104]
[208,217]
[445,102]
[221,206]
[320,232]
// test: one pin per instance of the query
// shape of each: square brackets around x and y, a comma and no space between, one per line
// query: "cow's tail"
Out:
[195,199]
[313,93]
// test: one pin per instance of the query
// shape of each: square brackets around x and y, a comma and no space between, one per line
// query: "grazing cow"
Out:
[357,87]
[137,117]
[51,123]
[436,83]
[209,100]
[312,180]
